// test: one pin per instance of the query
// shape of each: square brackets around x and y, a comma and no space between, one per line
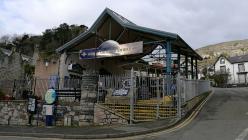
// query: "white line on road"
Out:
[242,135]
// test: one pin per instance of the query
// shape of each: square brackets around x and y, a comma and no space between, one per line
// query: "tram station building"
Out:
[114,44]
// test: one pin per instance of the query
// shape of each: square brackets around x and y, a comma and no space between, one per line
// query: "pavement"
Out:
[91,132]
[87,132]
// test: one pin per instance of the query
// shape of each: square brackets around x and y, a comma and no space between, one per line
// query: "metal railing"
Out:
[19,89]
[145,97]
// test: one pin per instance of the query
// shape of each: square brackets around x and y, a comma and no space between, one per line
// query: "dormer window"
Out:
[222,61]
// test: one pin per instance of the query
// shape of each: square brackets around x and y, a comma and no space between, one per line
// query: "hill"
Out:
[231,48]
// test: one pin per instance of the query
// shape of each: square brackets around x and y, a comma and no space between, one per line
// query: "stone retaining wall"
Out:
[104,116]
[13,112]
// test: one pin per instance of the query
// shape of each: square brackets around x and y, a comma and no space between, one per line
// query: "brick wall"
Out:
[44,72]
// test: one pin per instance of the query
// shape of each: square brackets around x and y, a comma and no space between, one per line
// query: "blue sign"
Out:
[87,54]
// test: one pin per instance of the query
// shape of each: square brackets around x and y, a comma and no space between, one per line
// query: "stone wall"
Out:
[104,116]
[13,112]
[67,114]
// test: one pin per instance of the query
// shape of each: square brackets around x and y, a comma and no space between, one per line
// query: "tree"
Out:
[220,78]
[48,42]
[29,71]
[5,39]
[205,72]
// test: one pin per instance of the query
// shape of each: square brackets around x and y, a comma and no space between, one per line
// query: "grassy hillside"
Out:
[232,48]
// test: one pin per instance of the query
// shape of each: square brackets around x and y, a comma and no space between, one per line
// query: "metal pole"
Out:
[186,66]
[132,97]
[168,66]
[192,67]
[98,92]
[178,90]
[196,69]
[158,97]
[34,85]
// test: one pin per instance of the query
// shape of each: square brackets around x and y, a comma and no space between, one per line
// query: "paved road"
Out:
[224,117]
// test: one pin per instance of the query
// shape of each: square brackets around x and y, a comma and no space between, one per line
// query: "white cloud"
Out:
[198,22]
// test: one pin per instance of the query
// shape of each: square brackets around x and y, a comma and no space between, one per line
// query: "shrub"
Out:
[2,95]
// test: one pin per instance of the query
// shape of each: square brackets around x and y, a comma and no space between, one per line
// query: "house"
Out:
[236,67]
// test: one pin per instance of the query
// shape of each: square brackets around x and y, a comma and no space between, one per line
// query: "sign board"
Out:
[48,109]
[32,103]
[120,92]
[50,96]
[112,48]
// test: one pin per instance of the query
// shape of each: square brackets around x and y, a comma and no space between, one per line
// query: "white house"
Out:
[236,66]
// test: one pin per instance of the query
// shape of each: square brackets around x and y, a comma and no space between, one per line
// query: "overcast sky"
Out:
[198,22]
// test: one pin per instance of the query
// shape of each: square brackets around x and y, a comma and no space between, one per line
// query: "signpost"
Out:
[112,48]
[32,104]
[50,98]
[32,107]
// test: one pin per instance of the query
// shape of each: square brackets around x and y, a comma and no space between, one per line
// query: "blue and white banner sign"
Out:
[112,48]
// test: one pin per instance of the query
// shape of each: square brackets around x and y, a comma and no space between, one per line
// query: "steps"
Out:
[167,100]
[143,112]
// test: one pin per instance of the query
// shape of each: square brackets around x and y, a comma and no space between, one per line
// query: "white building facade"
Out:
[236,67]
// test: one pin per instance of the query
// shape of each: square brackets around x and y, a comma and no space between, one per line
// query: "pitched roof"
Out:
[125,23]
[238,59]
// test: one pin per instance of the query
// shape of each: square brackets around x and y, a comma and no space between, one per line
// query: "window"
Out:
[241,67]
[222,61]
[241,78]
[222,69]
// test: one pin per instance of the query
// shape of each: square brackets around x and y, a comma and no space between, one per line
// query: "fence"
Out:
[19,89]
[148,97]
[16,88]
[42,85]
[137,97]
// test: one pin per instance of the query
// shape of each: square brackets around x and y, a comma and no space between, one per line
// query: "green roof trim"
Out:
[126,24]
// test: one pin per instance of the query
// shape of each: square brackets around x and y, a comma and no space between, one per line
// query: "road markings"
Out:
[175,128]
[242,135]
